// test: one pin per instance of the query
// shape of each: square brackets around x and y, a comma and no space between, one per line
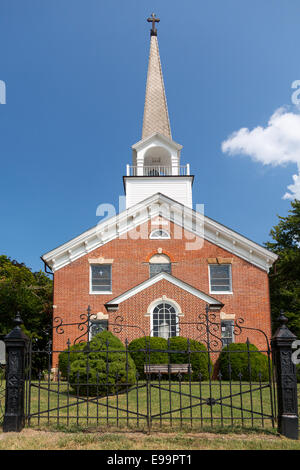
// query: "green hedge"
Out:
[68,356]
[236,355]
[199,360]
[140,357]
[104,361]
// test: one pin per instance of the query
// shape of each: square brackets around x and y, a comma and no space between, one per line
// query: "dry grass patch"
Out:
[30,439]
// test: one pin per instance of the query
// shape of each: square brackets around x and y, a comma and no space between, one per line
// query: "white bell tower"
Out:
[156,166]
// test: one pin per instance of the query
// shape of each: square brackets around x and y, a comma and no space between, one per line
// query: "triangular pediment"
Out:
[157,205]
[156,139]
[173,280]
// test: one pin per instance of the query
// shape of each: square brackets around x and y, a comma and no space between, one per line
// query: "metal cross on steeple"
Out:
[153,20]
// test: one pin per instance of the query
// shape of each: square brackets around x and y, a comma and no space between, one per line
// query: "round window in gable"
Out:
[159,234]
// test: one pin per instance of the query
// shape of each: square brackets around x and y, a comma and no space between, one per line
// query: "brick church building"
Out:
[159,264]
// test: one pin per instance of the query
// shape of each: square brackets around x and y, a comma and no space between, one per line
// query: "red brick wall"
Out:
[250,298]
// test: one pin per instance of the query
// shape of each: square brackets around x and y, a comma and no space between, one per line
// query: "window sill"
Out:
[220,292]
[101,293]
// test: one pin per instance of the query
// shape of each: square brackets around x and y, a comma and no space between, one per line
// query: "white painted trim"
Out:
[138,214]
[101,293]
[91,292]
[227,292]
[163,299]
[160,238]
[174,304]
[145,142]
[100,261]
[168,277]
[219,292]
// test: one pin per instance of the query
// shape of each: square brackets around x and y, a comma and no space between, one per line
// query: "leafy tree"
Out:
[285,274]
[28,292]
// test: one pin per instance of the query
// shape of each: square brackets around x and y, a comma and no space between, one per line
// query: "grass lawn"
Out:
[119,423]
[32,439]
[178,406]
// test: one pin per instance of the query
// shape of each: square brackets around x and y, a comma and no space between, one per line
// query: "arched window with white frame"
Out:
[164,320]
[159,234]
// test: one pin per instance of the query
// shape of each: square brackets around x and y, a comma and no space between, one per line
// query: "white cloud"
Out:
[294,188]
[276,144]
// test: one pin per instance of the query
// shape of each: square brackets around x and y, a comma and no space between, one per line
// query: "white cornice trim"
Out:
[142,143]
[140,213]
[173,280]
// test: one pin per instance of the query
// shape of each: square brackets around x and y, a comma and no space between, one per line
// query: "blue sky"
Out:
[75,75]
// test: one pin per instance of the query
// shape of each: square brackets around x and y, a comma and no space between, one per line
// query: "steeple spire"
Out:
[156,117]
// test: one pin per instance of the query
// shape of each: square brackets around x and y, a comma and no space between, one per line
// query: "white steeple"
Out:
[156,158]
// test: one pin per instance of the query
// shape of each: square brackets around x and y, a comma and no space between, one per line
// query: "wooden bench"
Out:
[167,368]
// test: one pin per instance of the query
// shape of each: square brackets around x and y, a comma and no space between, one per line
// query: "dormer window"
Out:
[159,234]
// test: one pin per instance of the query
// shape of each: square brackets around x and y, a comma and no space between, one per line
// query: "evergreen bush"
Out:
[159,355]
[200,361]
[102,367]
[68,356]
[137,349]
[237,357]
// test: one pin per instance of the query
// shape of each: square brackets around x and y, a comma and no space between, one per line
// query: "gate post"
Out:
[286,379]
[15,342]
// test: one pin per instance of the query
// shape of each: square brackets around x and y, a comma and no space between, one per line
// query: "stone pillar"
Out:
[16,342]
[286,380]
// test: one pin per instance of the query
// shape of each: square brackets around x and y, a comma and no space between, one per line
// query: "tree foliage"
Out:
[28,292]
[285,274]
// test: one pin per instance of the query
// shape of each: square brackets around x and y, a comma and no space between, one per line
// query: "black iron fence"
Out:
[148,384]
[2,377]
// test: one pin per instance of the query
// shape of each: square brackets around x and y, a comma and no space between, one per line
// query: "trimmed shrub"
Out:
[200,361]
[68,356]
[137,351]
[101,367]
[236,355]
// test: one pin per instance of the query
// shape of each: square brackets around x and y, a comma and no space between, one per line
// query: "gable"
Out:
[199,226]
[171,279]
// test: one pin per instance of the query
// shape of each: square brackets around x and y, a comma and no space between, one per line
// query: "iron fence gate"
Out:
[101,381]
[2,378]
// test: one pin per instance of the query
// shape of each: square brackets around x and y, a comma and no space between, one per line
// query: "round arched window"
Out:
[159,234]
[164,320]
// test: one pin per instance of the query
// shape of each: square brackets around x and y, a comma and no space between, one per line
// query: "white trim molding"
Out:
[166,235]
[159,301]
[100,261]
[104,292]
[173,280]
[136,215]
[219,292]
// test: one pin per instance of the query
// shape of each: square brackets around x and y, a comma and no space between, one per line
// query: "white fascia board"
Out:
[136,215]
[142,143]
[239,245]
[173,280]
